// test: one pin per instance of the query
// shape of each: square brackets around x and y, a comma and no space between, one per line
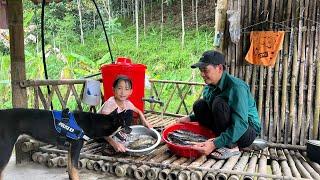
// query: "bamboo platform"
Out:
[278,161]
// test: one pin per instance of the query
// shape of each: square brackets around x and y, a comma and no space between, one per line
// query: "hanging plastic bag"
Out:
[92,93]
[234,27]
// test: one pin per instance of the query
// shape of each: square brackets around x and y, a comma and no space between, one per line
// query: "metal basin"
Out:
[141,130]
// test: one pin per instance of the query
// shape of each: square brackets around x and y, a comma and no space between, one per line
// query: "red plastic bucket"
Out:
[186,151]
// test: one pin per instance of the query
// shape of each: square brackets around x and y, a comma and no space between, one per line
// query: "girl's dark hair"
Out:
[124,78]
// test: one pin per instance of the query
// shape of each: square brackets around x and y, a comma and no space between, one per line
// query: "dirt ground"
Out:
[34,171]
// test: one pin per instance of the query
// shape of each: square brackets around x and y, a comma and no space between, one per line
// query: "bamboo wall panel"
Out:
[287,95]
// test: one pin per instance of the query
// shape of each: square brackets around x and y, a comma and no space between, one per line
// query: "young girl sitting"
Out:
[119,103]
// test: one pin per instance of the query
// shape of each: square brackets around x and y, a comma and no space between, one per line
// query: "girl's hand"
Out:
[118,147]
[147,124]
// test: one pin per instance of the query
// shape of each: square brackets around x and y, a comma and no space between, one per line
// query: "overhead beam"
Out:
[18,70]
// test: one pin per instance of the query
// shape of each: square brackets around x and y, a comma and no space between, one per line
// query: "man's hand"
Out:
[183,119]
[204,147]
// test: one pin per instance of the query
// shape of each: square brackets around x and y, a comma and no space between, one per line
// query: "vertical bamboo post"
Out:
[315,123]
[310,59]
[301,102]
[245,39]
[292,114]
[285,74]
[284,95]
[254,73]
[18,71]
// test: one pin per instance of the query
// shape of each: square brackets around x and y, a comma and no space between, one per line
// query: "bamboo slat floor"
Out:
[276,161]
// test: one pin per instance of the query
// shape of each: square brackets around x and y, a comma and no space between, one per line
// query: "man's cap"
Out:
[209,57]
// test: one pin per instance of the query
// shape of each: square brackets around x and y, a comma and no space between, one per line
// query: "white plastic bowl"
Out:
[142,130]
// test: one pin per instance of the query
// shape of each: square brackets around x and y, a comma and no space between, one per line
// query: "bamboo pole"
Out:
[273,127]
[292,165]
[152,173]
[315,122]
[251,167]
[275,168]
[314,165]
[291,106]
[198,175]
[18,69]
[267,114]
[240,166]
[121,170]
[284,86]
[141,172]
[32,83]
[231,162]
[130,170]
[53,162]
[185,174]
[311,58]
[90,164]
[281,155]
[292,115]
[285,168]
[82,163]
[303,172]
[211,175]
[301,103]
[98,165]
[260,101]
[308,168]
[173,174]
[262,165]
[268,109]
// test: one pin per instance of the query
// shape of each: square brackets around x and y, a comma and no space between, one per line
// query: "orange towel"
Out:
[264,47]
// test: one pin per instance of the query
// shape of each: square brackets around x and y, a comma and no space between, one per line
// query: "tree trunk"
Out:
[182,25]
[80,19]
[196,15]
[161,26]
[192,10]
[94,24]
[144,18]
[137,22]
[18,69]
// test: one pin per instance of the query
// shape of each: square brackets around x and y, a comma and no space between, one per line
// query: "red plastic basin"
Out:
[185,151]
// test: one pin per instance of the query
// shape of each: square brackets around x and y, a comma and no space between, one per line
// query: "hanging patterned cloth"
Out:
[265,46]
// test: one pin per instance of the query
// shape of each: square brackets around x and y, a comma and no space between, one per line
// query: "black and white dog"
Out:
[39,124]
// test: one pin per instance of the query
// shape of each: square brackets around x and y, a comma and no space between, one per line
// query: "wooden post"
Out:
[3,15]
[18,71]
[220,20]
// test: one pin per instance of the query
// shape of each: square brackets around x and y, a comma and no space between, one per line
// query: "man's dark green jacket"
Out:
[242,105]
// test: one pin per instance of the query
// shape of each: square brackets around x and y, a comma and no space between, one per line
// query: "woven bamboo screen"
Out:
[288,94]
